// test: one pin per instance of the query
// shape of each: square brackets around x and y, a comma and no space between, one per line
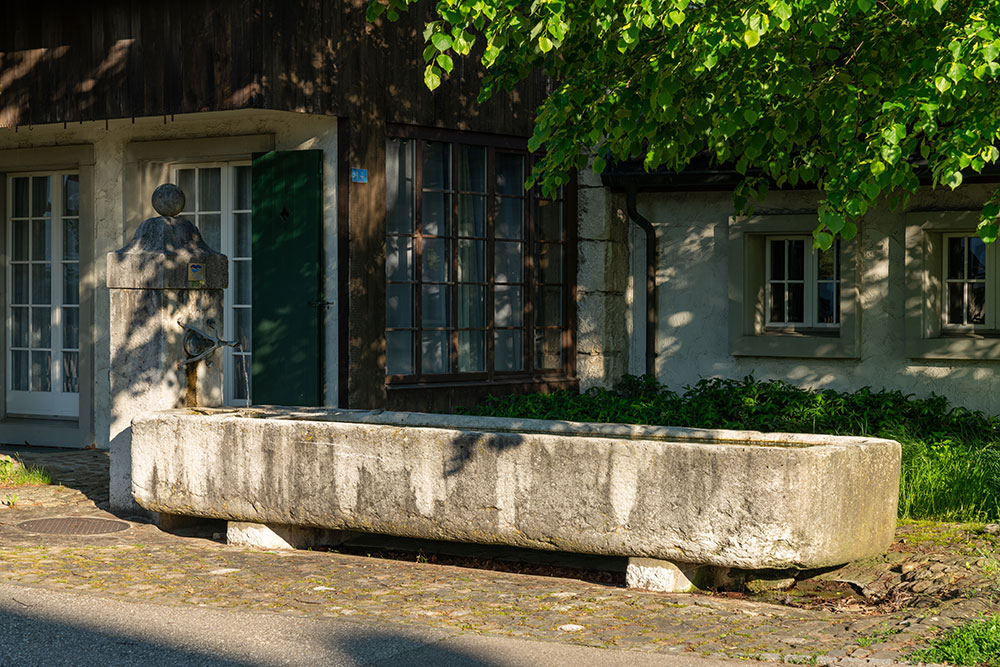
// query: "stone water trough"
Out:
[677,502]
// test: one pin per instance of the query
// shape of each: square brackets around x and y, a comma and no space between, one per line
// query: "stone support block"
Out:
[662,576]
[281,536]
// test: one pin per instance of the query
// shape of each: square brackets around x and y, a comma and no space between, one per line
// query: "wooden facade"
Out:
[66,63]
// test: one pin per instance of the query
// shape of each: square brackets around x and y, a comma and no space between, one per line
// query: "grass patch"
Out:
[14,473]
[973,643]
[878,637]
[951,456]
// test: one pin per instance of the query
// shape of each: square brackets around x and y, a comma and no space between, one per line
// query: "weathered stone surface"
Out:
[158,256]
[659,575]
[276,536]
[726,498]
[146,346]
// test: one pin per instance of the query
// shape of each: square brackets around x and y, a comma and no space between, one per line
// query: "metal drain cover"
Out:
[72,526]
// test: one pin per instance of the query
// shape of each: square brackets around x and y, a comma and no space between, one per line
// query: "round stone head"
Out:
[168,200]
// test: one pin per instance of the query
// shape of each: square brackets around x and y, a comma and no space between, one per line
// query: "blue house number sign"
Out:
[359,175]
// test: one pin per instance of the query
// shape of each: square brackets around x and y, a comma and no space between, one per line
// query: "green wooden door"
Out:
[287,282]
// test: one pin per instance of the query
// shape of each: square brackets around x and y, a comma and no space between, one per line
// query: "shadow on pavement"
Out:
[408,652]
[28,640]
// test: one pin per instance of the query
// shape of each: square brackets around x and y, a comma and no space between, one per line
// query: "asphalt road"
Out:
[40,627]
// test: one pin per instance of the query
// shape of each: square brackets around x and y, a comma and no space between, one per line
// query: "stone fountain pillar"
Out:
[165,274]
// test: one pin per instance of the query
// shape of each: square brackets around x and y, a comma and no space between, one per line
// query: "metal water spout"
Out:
[198,346]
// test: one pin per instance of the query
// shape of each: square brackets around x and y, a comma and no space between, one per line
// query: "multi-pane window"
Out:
[803,284]
[219,203]
[965,284]
[43,313]
[475,264]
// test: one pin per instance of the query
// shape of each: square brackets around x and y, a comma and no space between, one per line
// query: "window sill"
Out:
[446,396]
[793,344]
[957,345]
[800,333]
[451,381]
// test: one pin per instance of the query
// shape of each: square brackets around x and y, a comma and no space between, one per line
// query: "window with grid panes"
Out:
[803,284]
[475,265]
[218,201]
[43,313]
[968,261]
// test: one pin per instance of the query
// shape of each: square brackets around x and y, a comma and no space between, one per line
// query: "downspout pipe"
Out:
[647,227]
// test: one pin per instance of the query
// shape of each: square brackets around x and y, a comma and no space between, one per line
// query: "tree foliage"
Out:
[856,97]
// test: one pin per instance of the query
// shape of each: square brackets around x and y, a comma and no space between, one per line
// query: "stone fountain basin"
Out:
[733,499]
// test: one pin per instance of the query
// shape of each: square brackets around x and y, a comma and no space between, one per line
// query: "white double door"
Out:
[43,288]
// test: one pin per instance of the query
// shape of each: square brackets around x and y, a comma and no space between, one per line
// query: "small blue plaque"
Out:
[359,175]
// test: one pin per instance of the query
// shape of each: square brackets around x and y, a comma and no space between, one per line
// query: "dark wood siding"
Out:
[63,62]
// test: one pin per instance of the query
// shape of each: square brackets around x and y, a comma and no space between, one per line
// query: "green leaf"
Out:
[432,77]
[599,164]
[374,11]
[988,232]
[942,84]
[891,154]
[544,44]
[823,240]
[849,231]
[751,38]
[957,72]
[871,190]
[877,167]
[490,55]
[441,41]
[445,62]
[834,221]
[991,210]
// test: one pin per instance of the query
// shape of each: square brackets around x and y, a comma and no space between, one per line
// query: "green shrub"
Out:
[951,456]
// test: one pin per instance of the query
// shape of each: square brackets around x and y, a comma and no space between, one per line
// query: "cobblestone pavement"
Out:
[875,612]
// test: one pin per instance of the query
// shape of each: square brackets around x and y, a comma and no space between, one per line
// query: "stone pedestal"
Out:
[165,274]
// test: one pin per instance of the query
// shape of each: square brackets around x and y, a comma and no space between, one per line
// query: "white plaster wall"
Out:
[291,131]
[692,275]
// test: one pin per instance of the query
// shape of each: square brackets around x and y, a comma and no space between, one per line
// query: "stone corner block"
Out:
[281,536]
[662,576]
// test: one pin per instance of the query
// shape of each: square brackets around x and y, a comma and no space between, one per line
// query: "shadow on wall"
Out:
[465,445]
[82,62]
[139,351]
[693,303]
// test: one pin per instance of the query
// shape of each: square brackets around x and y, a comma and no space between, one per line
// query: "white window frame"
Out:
[55,402]
[227,235]
[810,285]
[990,324]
